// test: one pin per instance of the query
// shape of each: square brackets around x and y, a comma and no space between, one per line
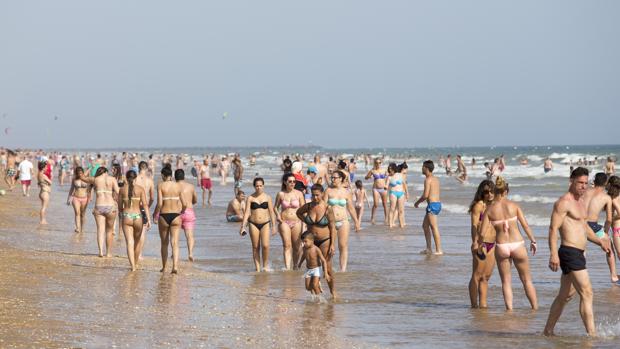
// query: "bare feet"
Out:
[438,253]
[108,255]
[43,222]
[425,251]
[174,271]
[161,270]
[191,258]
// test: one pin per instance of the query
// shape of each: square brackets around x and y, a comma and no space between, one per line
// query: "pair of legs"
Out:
[26,189]
[521,260]
[329,268]
[61,178]
[189,236]
[611,260]
[291,243]
[132,228]
[479,282]
[343,244]
[204,194]
[429,225]
[44,196]
[616,248]
[10,181]
[575,281]
[397,206]
[169,235]
[79,209]
[359,210]
[260,246]
[378,194]
[313,285]
[105,230]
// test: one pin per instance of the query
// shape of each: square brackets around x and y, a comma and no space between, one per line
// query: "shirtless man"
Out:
[433,207]
[237,173]
[188,217]
[322,177]
[548,165]
[569,217]
[11,169]
[461,169]
[205,181]
[448,164]
[234,211]
[145,181]
[151,166]
[610,166]
[597,201]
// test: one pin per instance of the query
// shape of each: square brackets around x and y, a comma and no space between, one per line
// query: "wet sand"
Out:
[53,299]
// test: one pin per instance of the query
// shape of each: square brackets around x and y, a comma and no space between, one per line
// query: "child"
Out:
[360,197]
[433,207]
[314,260]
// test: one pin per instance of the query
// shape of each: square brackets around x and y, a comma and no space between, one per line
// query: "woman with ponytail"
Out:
[503,215]
[132,198]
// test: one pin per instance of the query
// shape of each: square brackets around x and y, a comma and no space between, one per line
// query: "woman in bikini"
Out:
[341,200]
[117,173]
[106,190]
[45,184]
[78,198]
[258,215]
[321,221]
[482,246]
[503,216]
[397,193]
[131,199]
[170,205]
[288,201]
[378,190]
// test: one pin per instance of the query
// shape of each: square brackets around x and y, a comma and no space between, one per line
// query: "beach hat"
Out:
[313,169]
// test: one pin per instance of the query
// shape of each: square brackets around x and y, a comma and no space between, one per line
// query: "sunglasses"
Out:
[293,182]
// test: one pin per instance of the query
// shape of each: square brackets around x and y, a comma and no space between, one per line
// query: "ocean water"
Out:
[391,296]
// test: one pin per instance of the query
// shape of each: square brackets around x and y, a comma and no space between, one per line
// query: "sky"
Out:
[330,73]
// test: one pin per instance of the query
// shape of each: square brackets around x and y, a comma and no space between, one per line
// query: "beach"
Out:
[56,292]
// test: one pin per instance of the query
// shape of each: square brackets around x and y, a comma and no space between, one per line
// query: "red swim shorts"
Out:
[26,182]
[206,183]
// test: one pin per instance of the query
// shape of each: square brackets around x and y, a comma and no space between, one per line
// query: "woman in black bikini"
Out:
[321,221]
[259,212]
[170,205]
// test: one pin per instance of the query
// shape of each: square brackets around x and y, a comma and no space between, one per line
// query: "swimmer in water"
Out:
[483,246]
[503,215]
[314,261]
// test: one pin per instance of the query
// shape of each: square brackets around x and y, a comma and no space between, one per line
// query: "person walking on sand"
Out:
[145,180]
[503,215]
[188,217]
[569,218]
[288,200]
[433,208]
[78,197]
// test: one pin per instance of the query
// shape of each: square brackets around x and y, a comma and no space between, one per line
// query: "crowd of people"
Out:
[315,212]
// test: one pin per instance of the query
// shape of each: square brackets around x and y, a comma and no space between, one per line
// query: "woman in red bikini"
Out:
[503,215]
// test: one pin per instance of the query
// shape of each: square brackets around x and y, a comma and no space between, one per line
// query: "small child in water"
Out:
[314,261]
[360,197]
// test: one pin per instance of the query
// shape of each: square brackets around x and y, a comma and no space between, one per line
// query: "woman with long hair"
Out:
[482,245]
[78,197]
[340,199]
[397,194]
[106,190]
[288,200]
[132,198]
[503,215]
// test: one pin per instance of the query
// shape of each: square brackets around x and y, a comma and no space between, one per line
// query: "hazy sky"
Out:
[334,73]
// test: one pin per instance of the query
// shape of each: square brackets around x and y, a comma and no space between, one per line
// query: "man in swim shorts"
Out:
[204,177]
[598,201]
[569,217]
[11,169]
[25,172]
[433,208]
[234,211]
[237,173]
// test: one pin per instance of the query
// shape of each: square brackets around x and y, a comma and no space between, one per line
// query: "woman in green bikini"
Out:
[132,198]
